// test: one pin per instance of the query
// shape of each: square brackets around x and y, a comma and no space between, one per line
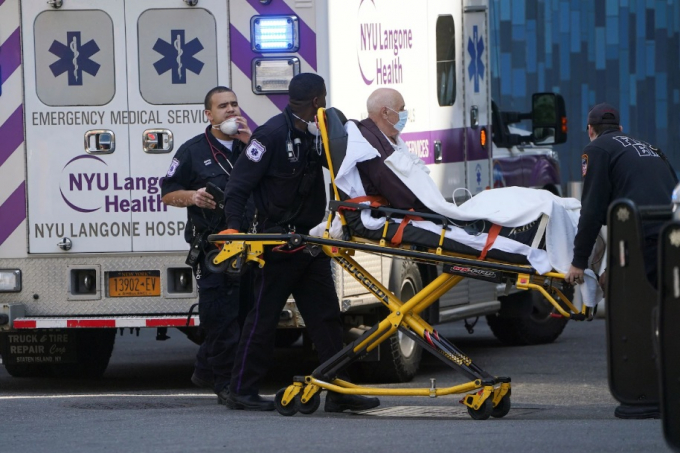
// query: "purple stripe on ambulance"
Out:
[11,134]
[251,124]
[10,55]
[307,35]
[12,212]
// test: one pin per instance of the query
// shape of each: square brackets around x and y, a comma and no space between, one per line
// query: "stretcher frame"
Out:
[485,395]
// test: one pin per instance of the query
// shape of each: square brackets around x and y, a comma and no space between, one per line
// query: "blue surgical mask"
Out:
[403,117]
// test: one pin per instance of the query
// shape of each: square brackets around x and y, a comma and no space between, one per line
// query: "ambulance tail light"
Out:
[482,137]
[10,280]
[272,75]
[274,34]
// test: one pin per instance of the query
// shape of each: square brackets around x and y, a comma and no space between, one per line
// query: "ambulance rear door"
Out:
[176,54]
[476,73]
[446,149]
[75,78]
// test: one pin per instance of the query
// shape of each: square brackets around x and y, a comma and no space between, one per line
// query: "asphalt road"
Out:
[145,402]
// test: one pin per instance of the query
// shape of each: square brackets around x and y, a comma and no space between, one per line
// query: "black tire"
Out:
[483,412]
[503,407]
[311,406]
[399,355]
[94,348]
[289,410]
[211,266]
[538,327]
[285,338]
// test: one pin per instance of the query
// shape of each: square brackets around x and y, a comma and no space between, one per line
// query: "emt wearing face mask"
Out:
[281,168]
[209,158]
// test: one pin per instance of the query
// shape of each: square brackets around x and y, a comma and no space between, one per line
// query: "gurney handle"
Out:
[335,205]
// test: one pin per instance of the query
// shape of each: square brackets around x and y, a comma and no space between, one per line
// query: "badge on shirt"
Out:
[207,162]
[584,164]
[173,167]
[255,151]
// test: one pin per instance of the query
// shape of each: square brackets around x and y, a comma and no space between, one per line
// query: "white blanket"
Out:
[509,207]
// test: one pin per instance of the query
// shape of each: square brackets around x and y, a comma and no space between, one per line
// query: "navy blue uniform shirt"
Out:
[274,176]
[615,165]
[193,166]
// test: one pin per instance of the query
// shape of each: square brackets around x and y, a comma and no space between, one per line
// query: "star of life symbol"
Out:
[623,214]
[674,237]
[475,49]
[74,58]
[178,57]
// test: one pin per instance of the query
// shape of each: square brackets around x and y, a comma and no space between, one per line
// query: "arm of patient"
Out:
[378,179]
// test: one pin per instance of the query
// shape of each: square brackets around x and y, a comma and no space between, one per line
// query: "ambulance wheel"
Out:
[210,265]
[310,406]
[483,412]
[290,409]
[536,326]
[503,407]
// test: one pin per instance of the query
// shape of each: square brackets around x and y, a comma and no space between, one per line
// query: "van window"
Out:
[177,55]
[74,62]
[446,61]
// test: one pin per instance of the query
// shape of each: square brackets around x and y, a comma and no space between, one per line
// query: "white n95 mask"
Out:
[228,126]
[311,126]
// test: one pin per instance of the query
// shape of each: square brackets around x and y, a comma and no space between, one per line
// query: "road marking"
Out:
[114,395]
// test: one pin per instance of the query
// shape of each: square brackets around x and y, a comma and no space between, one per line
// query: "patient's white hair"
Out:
[382,97]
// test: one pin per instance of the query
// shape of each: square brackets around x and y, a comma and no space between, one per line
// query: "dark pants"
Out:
[310,281]
[219,300]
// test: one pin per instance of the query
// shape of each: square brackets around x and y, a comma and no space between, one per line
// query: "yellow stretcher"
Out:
[485,395]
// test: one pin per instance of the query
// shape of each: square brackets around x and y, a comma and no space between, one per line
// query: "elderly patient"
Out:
[378,167]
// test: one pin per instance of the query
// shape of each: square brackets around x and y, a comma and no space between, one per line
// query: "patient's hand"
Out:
[574,276]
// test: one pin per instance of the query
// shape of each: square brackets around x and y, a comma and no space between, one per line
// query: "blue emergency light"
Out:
[274,33]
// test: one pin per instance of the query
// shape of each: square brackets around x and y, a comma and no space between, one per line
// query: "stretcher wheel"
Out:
[290,409]
[211,266]
[310,406]
[502,409]
[483,412]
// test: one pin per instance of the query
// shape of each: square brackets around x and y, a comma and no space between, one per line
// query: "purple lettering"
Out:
[76,181]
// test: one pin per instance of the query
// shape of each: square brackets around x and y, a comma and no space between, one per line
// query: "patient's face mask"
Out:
[311,126]
[403,118]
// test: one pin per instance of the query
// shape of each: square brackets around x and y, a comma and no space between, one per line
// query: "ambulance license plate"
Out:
[135,283]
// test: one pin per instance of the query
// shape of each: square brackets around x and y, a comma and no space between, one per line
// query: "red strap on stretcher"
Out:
[396,239]
[375,200]
[490,239]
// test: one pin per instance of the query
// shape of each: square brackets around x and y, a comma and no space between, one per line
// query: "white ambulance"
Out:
[96,97]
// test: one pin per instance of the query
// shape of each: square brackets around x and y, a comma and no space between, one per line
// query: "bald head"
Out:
[383,105]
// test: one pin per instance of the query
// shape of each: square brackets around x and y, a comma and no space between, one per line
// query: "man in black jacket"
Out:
[281,167]
[615,165]
[209,158]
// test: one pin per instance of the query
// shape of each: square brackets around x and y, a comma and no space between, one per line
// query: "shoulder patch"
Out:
[584,164]
[173,167]
[255,151]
